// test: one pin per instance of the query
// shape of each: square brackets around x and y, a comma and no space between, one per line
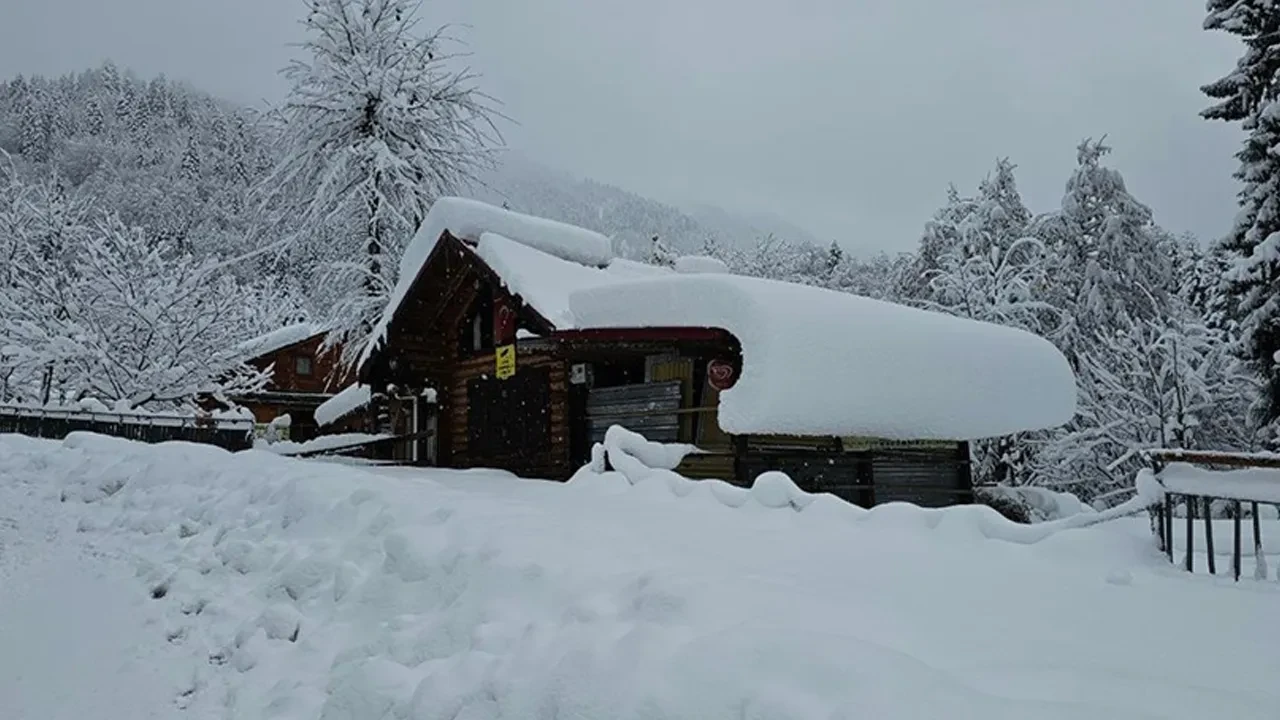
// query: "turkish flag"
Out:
[504,321]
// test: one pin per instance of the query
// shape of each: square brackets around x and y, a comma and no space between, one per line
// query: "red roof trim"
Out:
[644,334]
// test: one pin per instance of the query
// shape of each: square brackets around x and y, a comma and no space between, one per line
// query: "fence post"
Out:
[1260,560]
[1208,535]
[1168,525]
[1235,550]
[1190,504]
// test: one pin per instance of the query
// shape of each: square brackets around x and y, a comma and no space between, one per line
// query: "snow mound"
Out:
[1043,504]
[347,401]
[324,442]
[297,589]
[700,264]
[648,465]
[820,362]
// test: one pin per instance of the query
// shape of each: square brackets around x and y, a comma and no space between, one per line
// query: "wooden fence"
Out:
[1196,502]
[228,433]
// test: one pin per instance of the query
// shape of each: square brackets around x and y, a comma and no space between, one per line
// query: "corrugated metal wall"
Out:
[648,409]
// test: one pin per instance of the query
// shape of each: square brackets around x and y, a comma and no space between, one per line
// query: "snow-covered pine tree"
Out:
[1111,262]
[660,254]
[1250,95]
[379,124]
[941,232]
[971,226]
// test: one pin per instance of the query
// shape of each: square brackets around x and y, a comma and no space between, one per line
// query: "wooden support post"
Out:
[1260,572]
[1168,526]
[1235,550]
[1190,504]
[1208,535]
[1157,518]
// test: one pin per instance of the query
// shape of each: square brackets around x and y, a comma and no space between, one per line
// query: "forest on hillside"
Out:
[147,228]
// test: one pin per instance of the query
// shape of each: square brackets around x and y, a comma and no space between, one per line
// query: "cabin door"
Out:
[422,419]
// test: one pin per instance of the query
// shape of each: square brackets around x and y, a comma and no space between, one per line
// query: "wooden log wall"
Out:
[550,463]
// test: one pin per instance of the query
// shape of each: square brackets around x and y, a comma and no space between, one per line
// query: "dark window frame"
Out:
[299,361]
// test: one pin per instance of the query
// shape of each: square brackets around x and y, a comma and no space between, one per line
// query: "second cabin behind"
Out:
[514,342]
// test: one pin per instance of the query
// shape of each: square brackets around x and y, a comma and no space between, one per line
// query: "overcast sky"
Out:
[848,117]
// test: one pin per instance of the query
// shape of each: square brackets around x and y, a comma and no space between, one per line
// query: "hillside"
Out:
[531,187]
[182,163]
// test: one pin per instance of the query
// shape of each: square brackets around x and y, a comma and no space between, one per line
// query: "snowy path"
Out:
[307,590]
[77,636]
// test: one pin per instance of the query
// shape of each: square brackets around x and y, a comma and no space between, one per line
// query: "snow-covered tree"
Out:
[1250,95]
[379,124]
[1163,382]
[1002,285]
[970,226]
[121,318]
[999,285]
[1110,261]
[660,253]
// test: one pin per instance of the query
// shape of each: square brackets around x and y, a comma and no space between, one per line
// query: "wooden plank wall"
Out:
[324,377]
[551,464]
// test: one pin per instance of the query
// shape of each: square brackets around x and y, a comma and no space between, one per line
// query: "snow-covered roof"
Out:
[279,339]
[821,362]
[351,398]
[545,282]
[469,220]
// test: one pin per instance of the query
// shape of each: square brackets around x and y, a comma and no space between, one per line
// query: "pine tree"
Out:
[660,254]
[95,120]
[190,167]
[1250,95]
[376,128]
[34,127]
[1111,262]
[835,256]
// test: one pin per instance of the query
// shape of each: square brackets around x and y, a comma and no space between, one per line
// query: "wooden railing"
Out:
[1198,498]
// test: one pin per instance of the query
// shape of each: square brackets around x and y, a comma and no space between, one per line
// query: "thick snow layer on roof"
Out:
[545,282]
[1260,484]
[470,219]
[350,399]
[820,362]
[279,339]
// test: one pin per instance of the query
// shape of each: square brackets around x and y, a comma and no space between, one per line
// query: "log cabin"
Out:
[304,375]
[515,342]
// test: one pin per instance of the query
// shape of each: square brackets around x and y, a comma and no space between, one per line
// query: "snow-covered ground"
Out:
[303,589]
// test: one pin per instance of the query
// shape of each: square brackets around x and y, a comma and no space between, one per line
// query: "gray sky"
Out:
[848,117]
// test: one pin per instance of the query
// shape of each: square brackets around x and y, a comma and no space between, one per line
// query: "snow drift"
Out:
[309,590]
[820,362]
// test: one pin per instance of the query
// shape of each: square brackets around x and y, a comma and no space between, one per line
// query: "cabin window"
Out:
[302,364]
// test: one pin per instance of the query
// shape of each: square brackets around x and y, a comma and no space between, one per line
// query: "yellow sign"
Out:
[506,361]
